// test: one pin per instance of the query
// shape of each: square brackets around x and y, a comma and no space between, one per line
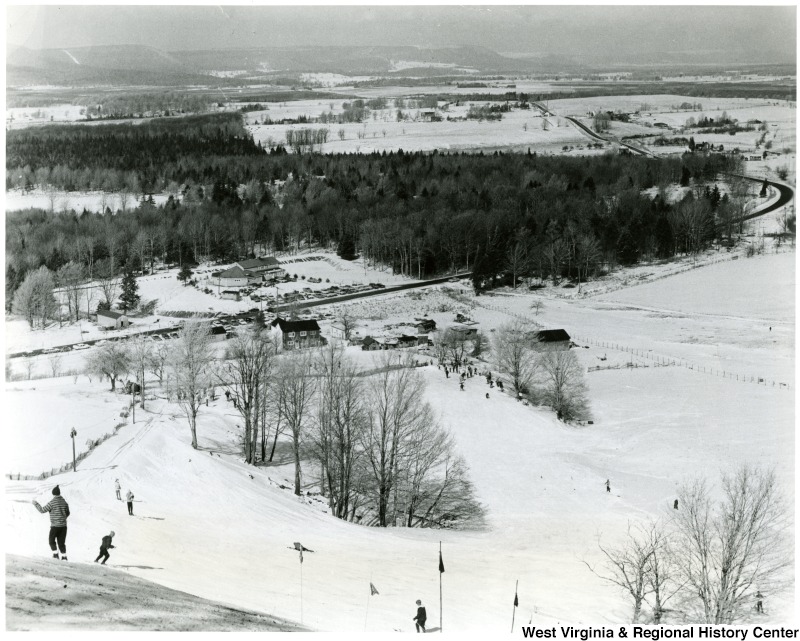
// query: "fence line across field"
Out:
[659,359]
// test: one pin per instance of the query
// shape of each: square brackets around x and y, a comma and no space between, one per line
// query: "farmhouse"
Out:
[369,344]
[296,334]
[425,325]
[112,320]
[550,340]
[269,267]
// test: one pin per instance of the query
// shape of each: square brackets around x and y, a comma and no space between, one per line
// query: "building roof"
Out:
[109,314]
[233,272]
[296,325]
[252,263]
[552,335]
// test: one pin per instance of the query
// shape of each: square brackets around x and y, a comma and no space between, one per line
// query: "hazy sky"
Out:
[572,30]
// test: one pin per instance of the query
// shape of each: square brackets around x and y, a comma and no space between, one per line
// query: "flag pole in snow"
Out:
[441,571]
[372,590]
[516,603]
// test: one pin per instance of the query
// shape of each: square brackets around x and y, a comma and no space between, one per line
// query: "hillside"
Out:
[209,525]
[48,595]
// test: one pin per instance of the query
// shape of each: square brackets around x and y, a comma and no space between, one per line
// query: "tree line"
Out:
[368,439]
[503,216]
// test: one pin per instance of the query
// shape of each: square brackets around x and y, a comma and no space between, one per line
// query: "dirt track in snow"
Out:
[45,594]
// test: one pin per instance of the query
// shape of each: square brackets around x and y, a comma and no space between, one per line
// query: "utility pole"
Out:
[73,434]
[133,403]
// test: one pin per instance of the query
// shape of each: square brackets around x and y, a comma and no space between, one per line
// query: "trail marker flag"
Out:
[372,589]
[441,563]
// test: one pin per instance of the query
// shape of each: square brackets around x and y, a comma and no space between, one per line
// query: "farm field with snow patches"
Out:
[211,526]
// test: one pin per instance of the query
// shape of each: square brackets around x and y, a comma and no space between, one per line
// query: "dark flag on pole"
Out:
[516,600]
[372,589]
[441,563]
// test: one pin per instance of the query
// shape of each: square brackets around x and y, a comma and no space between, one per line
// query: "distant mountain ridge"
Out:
[139,64]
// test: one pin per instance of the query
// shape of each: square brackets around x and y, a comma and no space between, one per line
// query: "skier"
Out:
[608,485]
[59,511]
[421,617]
[461,384]
[105,546]
[118,489]
[129,497]
[759,602]
[675,505]
[487,394]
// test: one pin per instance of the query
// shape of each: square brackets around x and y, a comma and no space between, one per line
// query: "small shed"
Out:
[229,294]
[112,320]
[551,339]
[218,333]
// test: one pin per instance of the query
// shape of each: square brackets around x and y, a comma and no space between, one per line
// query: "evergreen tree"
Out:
[130,290]
[184,274]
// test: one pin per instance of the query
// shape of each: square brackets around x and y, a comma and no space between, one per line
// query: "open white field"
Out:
[58,200]
[541,481]
[49,409]
[518,129]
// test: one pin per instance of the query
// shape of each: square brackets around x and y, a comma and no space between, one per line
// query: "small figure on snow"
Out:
[461,385]
[129,498]
[759,602]
[487,394]
[105,546]
[59,512]
[675,505]
[500,386]
[608,485]
[421,617]
[118,489]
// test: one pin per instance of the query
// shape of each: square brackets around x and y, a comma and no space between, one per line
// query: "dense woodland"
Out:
[503,216]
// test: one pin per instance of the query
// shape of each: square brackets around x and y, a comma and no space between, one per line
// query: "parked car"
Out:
[50,350]
[80,346]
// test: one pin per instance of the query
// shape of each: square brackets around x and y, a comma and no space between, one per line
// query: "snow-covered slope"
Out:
[211,526]
[49,595]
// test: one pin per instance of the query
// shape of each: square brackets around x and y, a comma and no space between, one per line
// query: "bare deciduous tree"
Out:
[341,419]
[110,360]
[564,387]
[514,356]
[190,362]
[55,361]
[246,375]
[627,566]
[296,391]
[729,548]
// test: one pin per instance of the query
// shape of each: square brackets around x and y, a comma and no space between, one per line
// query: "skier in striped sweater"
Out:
[59,512]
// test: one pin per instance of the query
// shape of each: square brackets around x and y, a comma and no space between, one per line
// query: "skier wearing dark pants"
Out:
[105,546]
[59,512]
[421,617]
[129,497]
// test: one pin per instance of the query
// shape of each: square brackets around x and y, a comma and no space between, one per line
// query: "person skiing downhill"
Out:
[608,485]
[118,489]
[59,512]
[105,546]
[421,617]
[129,498]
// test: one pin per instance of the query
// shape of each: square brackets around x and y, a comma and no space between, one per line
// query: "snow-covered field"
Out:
[94,201]
[518,129]
[211,526]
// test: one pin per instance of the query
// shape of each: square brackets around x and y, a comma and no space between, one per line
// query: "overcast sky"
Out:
[578,31]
